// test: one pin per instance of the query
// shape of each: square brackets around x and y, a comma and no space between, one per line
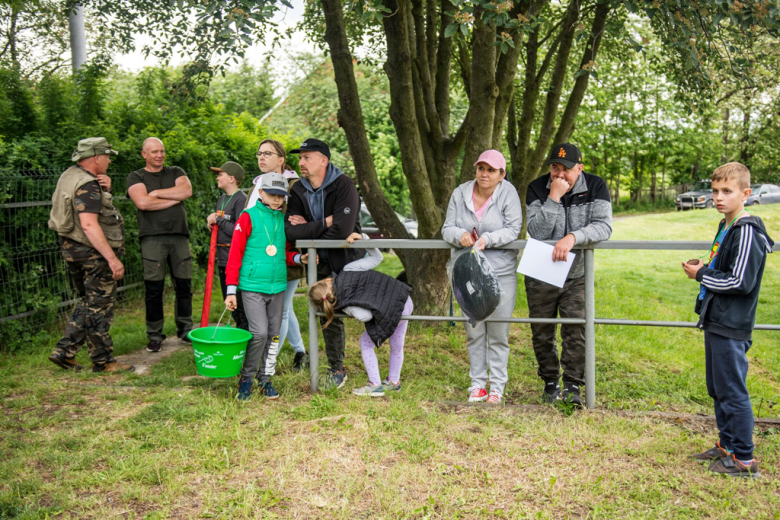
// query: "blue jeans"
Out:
[290,329]
[727,367]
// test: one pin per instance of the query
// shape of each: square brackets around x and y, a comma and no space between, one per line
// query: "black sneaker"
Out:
[301,360]
[715,453]
[734,468]
[571,394]
[186,339]
[552,391]
[154,346]
[65,362]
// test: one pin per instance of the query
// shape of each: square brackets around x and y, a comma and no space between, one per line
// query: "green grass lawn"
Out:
[157,446]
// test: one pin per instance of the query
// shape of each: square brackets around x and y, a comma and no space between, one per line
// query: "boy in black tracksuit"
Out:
[730,283]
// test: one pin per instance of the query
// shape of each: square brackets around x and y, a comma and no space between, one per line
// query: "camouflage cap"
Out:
[92,146]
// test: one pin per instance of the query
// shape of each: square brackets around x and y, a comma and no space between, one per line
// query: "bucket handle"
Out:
[220,321]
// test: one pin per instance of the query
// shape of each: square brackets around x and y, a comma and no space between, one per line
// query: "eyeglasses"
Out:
[267,154]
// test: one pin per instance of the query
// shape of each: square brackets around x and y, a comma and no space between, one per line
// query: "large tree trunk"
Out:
[528,160]
[429,285]
[724,157]
[418,68]
[744,152]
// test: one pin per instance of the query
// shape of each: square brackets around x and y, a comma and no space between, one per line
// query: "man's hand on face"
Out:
[562,248]
[296,220]
[558,188]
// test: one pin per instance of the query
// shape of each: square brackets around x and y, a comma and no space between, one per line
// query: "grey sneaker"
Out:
[715,453]
[733,468]
[389,386]
[370,391]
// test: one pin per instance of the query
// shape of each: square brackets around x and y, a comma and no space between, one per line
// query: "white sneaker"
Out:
[477,395]
[494,397]
[370,391]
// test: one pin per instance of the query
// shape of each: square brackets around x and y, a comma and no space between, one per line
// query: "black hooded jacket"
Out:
[383,295]
[733,280]
[339,198]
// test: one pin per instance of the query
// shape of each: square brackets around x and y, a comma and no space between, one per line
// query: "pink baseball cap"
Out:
[494,158]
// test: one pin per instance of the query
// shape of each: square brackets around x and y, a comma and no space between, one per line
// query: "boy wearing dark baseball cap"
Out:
[229,206]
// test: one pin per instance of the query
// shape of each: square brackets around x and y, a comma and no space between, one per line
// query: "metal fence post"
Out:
[590,329]
[314,353]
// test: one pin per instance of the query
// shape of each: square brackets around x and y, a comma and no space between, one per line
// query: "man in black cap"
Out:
[574,208]
[325,205]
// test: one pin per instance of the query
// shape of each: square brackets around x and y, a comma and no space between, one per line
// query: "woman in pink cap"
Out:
[490,205]
[271,157]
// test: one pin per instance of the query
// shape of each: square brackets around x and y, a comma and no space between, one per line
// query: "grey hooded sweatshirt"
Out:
[500,223]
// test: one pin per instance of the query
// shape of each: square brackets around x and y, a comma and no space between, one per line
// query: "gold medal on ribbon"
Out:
[271,250]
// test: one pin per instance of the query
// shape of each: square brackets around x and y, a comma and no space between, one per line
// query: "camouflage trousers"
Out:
[91,318]
[547,301]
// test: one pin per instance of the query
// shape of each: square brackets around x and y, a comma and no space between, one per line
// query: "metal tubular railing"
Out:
[590,320]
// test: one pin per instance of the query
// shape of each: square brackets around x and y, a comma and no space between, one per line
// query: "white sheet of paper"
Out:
[537,263]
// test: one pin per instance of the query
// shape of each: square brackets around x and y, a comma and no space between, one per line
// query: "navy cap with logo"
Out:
[274,183]
[313,145]
[566,154]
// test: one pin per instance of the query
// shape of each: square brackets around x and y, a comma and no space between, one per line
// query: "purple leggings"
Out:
[396,350]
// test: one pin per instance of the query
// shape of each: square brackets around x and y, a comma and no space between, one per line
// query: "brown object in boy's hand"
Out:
[693,261]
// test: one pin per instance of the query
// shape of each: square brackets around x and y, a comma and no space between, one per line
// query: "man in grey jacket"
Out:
[574,208]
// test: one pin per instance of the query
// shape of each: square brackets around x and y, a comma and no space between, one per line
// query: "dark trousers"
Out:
[91,318]
[182,310]
[547,301]
[171,252]
[727,368]
[239,316]
[334,333]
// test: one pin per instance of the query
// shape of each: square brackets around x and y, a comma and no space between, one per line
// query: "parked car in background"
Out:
[763,194]
[370,228]
[700,196]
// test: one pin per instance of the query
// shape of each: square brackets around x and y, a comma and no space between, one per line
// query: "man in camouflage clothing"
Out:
[92,236]
[574,208]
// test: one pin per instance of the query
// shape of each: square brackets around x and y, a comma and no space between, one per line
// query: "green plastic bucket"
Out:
[222,355]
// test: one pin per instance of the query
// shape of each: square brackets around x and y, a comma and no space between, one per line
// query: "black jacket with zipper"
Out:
[341,200]
[733,280]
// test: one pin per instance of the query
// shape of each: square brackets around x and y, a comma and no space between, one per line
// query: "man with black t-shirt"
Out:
[159,193]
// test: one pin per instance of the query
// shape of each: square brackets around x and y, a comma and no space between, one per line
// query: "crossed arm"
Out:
[160,199]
